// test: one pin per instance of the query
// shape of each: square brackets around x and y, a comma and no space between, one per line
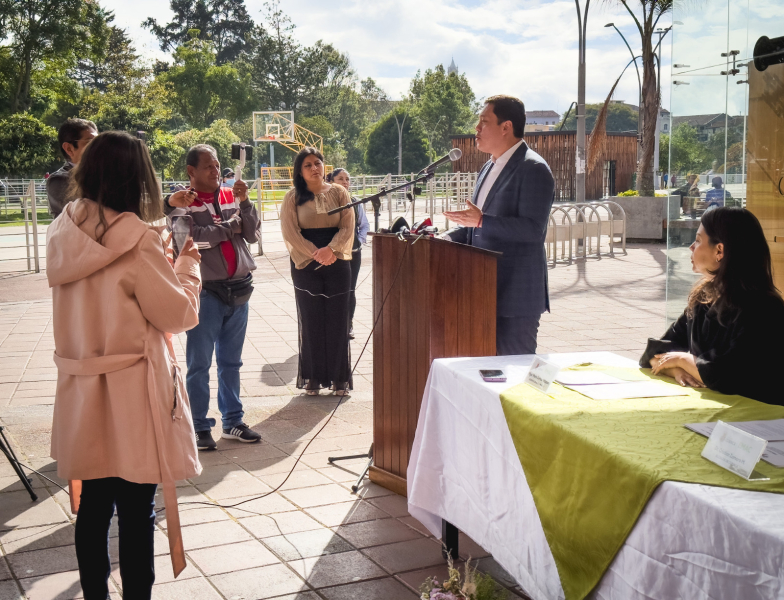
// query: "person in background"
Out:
[664,180]
[689,193]
[727,338]
[228,178]
[342,177]
[717,195]
[508,214]
[320,248]
[72,138]
[121,421]
[226,227]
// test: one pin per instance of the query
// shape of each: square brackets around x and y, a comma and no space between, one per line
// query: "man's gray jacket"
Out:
[209,231]
[57,188]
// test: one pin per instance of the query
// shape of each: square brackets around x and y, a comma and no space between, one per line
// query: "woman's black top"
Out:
[744,354]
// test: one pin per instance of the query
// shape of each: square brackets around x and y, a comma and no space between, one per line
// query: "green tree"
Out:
[620,117]
[381,155]
[110,57]
[26,146]
[289,76]
[444,103]
[205,91]
[219,135]
[39,30]
[226,23]
[686,153]
[355,112]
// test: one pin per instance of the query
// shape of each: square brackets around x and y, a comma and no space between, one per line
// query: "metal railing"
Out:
[579,225]
[575,231]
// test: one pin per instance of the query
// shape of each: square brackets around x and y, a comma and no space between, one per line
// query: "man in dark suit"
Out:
[73,137]
[509,214]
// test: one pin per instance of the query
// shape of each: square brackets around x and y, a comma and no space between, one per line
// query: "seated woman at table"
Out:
[730,338]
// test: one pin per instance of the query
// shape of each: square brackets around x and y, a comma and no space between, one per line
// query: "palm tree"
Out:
[652,11]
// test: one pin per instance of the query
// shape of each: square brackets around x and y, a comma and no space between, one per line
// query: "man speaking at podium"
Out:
[509,214]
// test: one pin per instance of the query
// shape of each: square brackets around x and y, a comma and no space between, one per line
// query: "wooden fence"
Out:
[558,148]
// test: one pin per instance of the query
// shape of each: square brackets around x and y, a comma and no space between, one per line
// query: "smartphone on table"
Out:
[492,375]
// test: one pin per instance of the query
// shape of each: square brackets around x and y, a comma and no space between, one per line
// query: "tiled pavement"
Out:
[313,538]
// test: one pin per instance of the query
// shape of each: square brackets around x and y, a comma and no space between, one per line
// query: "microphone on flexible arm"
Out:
[454,154]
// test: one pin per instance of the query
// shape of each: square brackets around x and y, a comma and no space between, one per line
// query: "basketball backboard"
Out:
[273,126]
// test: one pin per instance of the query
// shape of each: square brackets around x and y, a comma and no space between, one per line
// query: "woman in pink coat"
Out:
[122,423]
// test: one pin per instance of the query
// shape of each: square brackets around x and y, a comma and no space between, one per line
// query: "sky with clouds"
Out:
[527,48]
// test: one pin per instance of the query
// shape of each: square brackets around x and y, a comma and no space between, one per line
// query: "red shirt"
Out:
[227,248]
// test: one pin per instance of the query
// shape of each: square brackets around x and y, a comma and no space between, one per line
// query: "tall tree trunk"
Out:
[650,110]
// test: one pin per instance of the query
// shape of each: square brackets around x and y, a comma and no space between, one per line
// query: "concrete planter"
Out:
[646,216]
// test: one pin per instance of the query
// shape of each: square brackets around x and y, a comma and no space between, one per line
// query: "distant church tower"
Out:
[452,68]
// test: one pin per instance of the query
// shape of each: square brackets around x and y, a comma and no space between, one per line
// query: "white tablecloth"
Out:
[691,541]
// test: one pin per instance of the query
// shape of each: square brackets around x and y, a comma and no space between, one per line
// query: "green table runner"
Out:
[592,465]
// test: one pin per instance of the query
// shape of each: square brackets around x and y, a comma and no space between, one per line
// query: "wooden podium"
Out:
[443,304]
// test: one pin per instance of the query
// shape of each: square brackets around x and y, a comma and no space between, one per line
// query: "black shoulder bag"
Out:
[232,292]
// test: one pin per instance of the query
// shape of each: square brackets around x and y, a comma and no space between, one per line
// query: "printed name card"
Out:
[541,375]
[734,449]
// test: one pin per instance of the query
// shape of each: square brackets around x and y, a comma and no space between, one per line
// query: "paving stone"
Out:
[37,538]
[58,586]
[394,505]
[213,534]
[43,562]
[333,515]
[306,544]
[318,496]
[376,533]
[232,557]
[17,510]
[336,569]
[404,556]
[284,523]
[377,589]
[259,583]
[5,572]
[187,589]
[10,591]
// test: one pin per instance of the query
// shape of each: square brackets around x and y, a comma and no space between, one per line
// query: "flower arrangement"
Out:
[473,586]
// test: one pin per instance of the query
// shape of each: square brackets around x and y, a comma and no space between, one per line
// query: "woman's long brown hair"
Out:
[744,273]
[116,172]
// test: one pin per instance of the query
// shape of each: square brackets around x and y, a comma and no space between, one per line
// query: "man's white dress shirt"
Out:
[495,171]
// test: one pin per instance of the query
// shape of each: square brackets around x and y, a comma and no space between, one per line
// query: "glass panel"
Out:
[701,128]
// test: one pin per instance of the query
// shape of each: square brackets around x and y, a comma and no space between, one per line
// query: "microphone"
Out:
[454,154]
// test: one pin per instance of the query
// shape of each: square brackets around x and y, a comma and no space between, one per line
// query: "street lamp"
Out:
[661,33]
[639,92]
[582,26]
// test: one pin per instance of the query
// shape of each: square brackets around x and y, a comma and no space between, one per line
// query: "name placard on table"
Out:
[734,449]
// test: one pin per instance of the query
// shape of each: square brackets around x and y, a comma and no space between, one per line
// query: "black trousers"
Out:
[356,263]
[135,504]
[516,335]
[322,307]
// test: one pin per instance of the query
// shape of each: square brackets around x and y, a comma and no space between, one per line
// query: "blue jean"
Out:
[135,504]
[221,328]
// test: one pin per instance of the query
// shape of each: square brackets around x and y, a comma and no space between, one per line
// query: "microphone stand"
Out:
[375,199]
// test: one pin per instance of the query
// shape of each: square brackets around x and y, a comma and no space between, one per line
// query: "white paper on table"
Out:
[774,454]
[771,431]
[634,389]
[586,378]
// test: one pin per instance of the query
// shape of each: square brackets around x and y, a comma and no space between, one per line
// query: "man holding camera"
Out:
[221,226]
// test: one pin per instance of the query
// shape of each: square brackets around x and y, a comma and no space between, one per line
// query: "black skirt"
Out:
[322,296]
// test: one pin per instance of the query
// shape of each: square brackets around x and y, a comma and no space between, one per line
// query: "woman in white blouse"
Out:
[320,248]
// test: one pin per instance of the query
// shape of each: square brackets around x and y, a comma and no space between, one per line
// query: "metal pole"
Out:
[36,262]
[582,21]
[272,154]
[27,230]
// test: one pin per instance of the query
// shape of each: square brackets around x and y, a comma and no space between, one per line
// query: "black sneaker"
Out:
[241,432]
[204,441]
